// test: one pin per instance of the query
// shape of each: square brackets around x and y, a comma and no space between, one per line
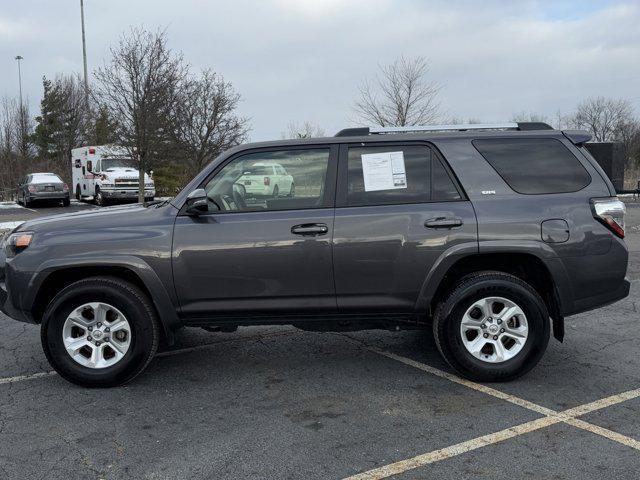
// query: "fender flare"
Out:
[541,251]
[165,307]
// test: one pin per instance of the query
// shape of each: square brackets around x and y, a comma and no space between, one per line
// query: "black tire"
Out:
[78,193]
[66,202]
[99,198]
[131,301]
[25,203]
[448,317]
[276,191]
[292,190]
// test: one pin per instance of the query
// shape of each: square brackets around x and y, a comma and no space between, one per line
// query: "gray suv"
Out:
[488,234]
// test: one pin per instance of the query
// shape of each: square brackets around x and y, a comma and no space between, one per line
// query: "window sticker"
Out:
[383,171]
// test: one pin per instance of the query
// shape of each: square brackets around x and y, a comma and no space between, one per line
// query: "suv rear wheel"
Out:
[492,327]
[100,332]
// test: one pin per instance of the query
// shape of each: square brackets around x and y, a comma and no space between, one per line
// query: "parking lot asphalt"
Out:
[276,402]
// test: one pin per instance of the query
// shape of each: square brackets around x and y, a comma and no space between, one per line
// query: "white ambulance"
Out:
[107,174]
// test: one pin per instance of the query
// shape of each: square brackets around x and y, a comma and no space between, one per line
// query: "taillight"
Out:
[610,212]
[33,189]
[267,181]
[65,187]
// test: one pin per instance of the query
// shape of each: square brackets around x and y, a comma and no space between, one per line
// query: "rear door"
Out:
[399,209]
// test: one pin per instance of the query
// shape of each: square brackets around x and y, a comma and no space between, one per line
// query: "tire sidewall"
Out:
[136,313]
[537,320]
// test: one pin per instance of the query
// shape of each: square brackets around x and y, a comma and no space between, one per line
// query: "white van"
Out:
[107,174]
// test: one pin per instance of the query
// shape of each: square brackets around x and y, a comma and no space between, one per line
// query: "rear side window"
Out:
[258,170]
[534,165]
[397,174]
[389,175]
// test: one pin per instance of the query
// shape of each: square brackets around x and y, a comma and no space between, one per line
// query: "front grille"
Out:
[125,182]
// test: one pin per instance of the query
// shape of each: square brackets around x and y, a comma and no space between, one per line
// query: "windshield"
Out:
[122,162]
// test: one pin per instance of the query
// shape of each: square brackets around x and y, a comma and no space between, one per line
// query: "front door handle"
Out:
[443,222]
[310,229]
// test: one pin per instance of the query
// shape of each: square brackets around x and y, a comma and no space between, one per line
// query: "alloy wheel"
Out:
[494,329]
[96,335]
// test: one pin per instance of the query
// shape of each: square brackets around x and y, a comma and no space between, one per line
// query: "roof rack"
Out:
[363,131]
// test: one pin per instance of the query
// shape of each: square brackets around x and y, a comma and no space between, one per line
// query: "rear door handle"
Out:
[310,229]
[443,222]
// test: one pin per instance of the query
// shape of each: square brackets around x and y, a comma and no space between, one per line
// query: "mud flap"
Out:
[558,328]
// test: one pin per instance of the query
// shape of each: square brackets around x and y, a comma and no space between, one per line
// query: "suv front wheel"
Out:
[100,332]
[492,327]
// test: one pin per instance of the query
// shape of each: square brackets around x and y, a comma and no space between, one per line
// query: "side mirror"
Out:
[197,202]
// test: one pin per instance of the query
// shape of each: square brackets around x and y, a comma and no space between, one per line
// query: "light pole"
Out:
[84,55]
[18,58]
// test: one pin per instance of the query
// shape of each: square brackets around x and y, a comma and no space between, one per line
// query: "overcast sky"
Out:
[296,60]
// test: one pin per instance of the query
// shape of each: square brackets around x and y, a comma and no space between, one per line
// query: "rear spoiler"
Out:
[577,137]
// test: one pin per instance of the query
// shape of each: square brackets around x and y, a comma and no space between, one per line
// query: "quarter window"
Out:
[252,182]
[534,165]
[442,187]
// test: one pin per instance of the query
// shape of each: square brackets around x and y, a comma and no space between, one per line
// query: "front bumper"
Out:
[115,194]
[6,305]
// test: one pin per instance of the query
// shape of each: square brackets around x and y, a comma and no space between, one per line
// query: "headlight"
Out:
[107,184]
[148,185]
[17,242]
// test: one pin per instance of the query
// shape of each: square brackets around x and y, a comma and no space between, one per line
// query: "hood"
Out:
[90,218]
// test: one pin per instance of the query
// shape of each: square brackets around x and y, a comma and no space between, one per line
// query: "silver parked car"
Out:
[42,186]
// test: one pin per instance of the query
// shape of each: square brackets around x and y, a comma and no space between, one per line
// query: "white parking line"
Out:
[454,450]
[22,378]
[551,417]
[167,353]
[467,383]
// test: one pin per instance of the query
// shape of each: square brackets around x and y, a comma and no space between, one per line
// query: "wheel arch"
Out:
[544,274]
[49,281]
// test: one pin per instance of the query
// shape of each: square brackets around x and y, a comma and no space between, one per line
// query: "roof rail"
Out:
[357,132]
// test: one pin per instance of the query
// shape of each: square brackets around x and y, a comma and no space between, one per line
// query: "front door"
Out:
[256,251]
[398,210]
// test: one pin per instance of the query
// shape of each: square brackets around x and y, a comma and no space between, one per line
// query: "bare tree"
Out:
[139,88]
[528,117]
[205,119]
[460,121]
[400,95]
[603,117]
[305,129]
[15,143]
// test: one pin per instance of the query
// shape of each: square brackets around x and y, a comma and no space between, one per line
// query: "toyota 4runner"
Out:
[488,234]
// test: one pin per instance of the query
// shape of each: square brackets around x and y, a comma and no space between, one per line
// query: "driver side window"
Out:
[250,183]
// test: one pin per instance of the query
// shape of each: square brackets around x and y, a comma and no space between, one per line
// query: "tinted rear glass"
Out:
[259,170]
[534,165]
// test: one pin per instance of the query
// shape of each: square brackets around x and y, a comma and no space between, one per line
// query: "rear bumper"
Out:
[48,196]
[602,300]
